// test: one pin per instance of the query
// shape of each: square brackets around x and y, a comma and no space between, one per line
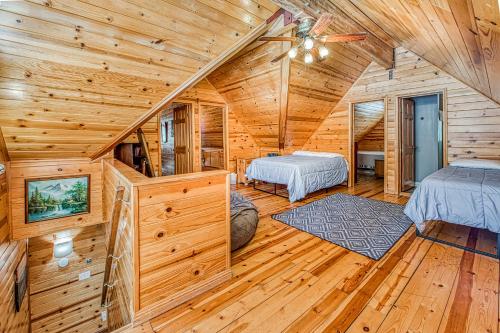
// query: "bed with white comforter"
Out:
[303,172]
[467,193]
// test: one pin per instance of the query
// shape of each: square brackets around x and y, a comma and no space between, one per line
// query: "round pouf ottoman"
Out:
[244,220]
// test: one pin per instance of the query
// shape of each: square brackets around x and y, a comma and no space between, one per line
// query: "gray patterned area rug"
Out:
[366,226]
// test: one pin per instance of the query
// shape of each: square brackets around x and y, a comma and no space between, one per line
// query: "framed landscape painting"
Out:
[57,197]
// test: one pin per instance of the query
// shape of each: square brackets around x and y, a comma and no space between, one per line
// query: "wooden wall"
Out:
[473,119]
[175,256]
[212,126]
[11,253]
[26,169]
[59,301]
[250,84]
[241,142]
[374,139]
[74,74]
[316,89]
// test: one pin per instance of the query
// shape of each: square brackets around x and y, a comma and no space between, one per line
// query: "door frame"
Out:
[350,140]
[398,120]
[225,130]
[191,108]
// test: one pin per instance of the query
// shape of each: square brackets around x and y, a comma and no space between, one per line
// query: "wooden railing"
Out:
[111,255]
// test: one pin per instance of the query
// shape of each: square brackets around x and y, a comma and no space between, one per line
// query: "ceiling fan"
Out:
[307,37]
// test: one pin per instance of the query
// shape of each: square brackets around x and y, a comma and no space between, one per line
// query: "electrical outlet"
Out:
[83,275]
[104,315]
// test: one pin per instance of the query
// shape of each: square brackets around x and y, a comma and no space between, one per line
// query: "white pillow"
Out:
[316,153]
[476,163]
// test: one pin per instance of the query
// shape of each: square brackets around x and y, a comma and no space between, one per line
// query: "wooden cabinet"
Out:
[241,169]
[213,157]
[379,168]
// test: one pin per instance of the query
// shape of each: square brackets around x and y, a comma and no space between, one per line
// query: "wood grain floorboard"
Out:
[286,280]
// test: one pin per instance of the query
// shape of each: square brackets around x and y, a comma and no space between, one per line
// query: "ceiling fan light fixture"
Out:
[292,53]
[308,43]
[323,51]
[308,58]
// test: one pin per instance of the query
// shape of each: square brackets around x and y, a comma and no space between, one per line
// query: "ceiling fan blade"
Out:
[277,39]
[281,56]
[321,24]
[343,37]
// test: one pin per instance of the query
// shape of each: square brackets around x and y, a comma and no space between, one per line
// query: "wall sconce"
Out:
[63,247]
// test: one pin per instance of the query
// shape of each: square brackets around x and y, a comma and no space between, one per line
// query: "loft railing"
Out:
[111,256]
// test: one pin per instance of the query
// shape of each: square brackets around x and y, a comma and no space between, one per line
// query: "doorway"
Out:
[421,137]
[367,141]
[176,139]
[213,137]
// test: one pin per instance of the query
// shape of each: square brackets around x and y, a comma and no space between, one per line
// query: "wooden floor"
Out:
[286,280]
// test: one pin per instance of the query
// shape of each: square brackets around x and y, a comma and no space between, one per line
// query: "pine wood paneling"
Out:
[460,37]
[59,301]
[11,253]
[374,139]
[22,170]
[175,256]
[211,126]
[75,74]
[317,88]
[241,142]
[366,116]
[472,117]
[250,84]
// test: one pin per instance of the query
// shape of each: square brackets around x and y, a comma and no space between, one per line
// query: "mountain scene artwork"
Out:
[52,198]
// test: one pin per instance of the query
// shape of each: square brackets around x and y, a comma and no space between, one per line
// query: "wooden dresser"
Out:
[213,157]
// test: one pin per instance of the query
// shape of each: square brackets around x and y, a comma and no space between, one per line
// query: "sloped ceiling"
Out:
[366,116]
[461,37]
[250,84]
[75,73]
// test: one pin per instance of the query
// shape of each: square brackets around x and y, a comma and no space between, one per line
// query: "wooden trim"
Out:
[4,152]
[386,150]
[134,200]
[197,77]
[350,143]
[225,130]
[397,121]
[284,88]
[160,143]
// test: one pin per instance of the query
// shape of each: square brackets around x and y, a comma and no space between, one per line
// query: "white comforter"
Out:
[458,195]
[301,174]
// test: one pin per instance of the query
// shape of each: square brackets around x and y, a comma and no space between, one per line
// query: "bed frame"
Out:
[465,248]
[287,196]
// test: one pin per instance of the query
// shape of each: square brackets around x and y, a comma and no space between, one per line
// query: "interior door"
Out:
[182,139]
[408,145]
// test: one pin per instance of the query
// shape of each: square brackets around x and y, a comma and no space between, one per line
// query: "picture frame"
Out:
[52,198]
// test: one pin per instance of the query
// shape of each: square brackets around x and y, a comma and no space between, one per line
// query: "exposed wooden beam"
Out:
[372,47]
[197,77]
[284,88]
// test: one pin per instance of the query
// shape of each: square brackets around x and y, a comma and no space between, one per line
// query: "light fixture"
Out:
[323,51]
[308,43]
[308,58]
[63,247]
[293,52]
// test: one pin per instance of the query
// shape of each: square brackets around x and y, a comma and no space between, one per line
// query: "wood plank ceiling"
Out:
[73,74]
[462,37]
